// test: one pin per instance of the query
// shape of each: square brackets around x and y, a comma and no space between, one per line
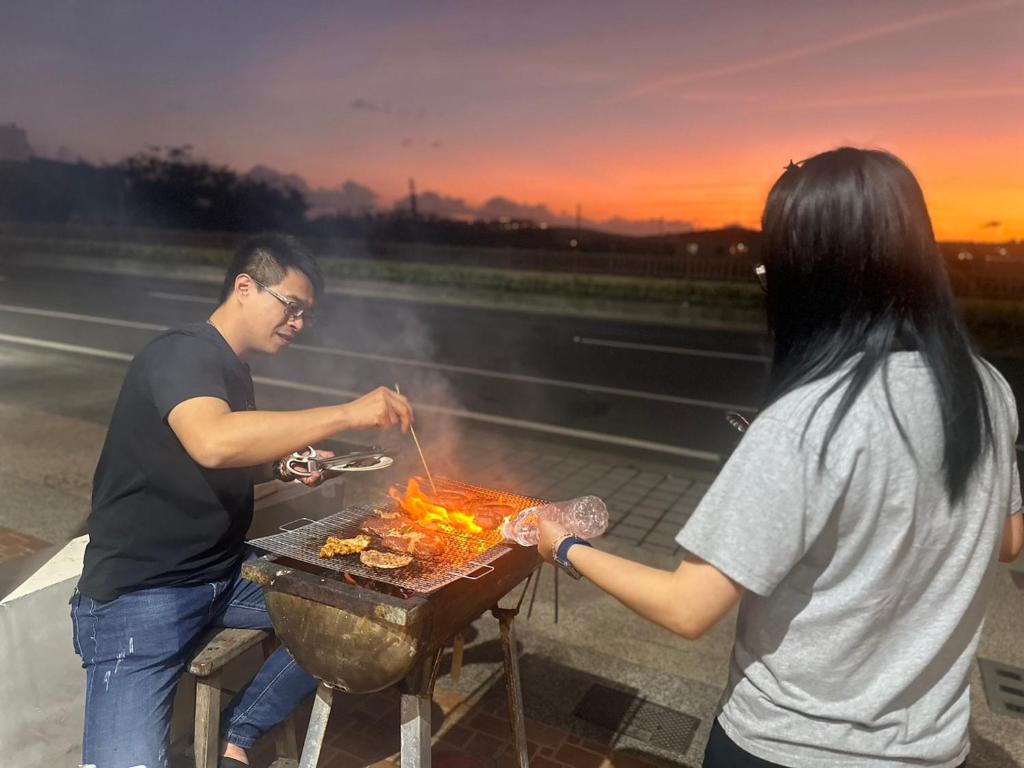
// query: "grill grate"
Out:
[463,553]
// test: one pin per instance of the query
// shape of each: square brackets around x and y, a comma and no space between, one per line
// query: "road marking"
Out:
[535,426]
[84,318]
[413,363]
[60,347]
[181,297]
[585,340]
[487,418]
[523,378]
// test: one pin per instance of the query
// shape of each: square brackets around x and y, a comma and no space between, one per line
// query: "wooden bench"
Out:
[217,649]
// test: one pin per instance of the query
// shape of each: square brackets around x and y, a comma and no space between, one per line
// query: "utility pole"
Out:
[412,197]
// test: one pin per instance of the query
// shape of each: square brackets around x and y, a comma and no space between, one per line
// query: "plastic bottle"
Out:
[585,516]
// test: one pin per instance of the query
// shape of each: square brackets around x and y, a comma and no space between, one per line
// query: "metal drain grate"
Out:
[624,713]
[1004,687]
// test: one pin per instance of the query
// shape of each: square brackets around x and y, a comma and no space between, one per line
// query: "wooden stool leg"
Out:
[285,744]
[207,738]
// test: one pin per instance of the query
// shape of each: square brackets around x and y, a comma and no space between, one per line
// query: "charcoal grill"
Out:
[390,627]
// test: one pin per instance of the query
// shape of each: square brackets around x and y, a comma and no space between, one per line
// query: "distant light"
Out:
[1002,251]
[515,225]
[742,247]
[573,243]
[692,248]
[543,225]
[732,250]
[965,256]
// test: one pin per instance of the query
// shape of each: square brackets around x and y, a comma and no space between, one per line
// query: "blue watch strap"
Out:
[566,545]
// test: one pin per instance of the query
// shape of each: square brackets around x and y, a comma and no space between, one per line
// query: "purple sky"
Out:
[682,111]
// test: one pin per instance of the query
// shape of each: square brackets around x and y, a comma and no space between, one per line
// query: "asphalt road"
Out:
[656,388]
[660,389]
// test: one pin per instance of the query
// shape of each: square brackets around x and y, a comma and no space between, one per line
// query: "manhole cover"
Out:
[624,713]
[1004,687]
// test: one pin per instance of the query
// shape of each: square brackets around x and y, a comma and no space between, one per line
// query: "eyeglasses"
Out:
[292,309]
[762,275]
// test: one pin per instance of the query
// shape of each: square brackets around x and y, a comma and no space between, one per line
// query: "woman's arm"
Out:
[687,601]
[1013,538]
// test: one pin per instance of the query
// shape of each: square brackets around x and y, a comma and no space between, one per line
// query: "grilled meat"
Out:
[419,543]
[381,526]
[376,559]
[490,515]
[335,547]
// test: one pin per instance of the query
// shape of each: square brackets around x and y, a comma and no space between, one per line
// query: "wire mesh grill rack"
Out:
[463,555]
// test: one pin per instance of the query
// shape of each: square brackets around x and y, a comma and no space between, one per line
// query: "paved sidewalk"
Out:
[601,687]
[468,732]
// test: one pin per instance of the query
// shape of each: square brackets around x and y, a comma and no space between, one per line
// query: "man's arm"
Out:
[1013,538]
[687,601]
[218,438]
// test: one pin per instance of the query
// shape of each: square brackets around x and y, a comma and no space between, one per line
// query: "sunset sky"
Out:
[681,111]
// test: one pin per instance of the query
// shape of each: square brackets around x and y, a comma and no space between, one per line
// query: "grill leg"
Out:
[415,731]
[513,687]
[317,727]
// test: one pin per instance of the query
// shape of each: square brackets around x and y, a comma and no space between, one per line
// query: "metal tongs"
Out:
[309,462]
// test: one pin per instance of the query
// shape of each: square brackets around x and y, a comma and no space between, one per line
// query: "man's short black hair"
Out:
[266,258]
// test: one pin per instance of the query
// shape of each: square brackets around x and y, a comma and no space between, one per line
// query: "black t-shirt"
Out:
[159,518]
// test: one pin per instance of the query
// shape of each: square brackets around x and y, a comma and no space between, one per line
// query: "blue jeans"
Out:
[134,651]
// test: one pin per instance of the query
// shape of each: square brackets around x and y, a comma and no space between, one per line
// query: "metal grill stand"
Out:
[415,725]
[359,639]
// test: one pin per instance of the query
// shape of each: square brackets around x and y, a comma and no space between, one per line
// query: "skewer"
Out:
[420,450]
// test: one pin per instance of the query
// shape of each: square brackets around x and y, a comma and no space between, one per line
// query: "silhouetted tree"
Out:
[169,188]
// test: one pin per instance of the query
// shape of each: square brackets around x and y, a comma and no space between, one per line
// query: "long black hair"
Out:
[853,273]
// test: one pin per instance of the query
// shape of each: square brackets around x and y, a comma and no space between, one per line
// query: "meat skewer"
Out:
[412,430]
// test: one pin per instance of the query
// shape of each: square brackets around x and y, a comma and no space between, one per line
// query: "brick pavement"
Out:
[469,732]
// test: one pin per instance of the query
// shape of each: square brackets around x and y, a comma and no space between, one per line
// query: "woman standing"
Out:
[859,521]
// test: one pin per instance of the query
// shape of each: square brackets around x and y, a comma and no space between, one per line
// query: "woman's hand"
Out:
[549,533]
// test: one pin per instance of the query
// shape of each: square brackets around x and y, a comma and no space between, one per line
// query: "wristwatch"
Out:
[560,553]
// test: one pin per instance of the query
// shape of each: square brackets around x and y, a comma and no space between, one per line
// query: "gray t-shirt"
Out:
[866,588]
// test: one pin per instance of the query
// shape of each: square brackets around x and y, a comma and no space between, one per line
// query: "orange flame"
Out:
[419,507]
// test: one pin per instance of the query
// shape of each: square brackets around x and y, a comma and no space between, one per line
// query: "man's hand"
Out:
[317,477]
[314,479]
[550,532]
[381,409]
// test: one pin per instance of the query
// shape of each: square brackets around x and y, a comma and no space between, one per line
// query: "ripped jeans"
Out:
[134,651]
